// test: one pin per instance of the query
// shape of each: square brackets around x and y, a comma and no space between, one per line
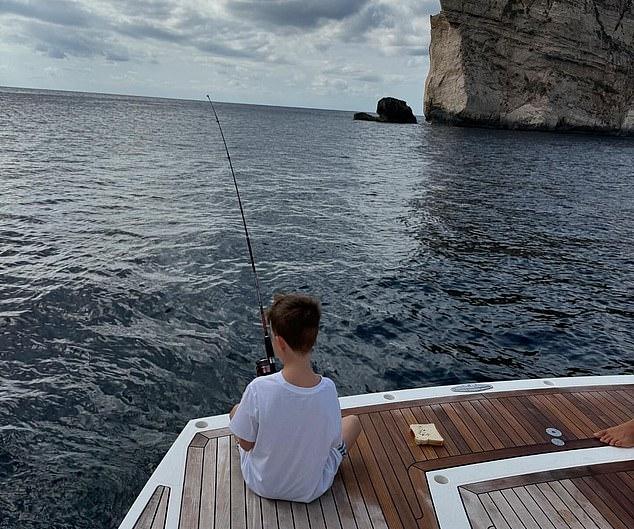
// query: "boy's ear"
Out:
[282,342]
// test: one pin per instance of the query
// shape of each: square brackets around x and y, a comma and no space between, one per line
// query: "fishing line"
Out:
[265,366]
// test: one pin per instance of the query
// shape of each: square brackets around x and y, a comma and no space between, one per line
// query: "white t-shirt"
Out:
[296,432]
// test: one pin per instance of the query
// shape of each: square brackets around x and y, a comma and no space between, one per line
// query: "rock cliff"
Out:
[533,64]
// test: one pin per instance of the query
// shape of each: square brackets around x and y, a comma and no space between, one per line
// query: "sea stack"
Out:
[389,110]
[563,65]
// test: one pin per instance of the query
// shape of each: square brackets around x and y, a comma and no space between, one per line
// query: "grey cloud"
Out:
[58,43]
[250,29]
[60,12]
[370,17]
[200,33]
[349,72]
[397,20]
[370,78]
[63,28]
[155,9]
[143,31]
[296,13]
[219,49]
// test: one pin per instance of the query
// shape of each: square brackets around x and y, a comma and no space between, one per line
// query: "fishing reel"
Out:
[266,366]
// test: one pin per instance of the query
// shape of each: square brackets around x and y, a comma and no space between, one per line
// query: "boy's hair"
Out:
[295,317]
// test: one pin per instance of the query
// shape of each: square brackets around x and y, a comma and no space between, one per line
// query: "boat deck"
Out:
[597,497]
[386,481]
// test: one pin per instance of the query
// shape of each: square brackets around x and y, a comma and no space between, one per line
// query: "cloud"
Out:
[368,40]
[63,28]
[351,73]
[63,12]
[58,43]
[145,9]
[296,13]
[392,28]
[256,30]
[372,16]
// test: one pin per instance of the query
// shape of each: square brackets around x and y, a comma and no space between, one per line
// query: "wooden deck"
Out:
[383,485]
[592,497]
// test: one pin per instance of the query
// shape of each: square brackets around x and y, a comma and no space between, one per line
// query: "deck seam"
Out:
[321,508]
[616,408]
[180,516]
[480,436]
[579,508]
[336,508]
[582,406]
[200,492]
[510,510]
[404,493]
[520,405]
[609,414]
[514,492]
[550,486]
[619,494]
[576,412]
[585,488]
[215,487]
[464,507]
[524,435]
[406,471]
[536,505]
[556,418]
[157,506]
[365,503]
[460,442]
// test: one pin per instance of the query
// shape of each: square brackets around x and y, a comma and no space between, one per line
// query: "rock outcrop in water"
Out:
[533,64]
[389,110]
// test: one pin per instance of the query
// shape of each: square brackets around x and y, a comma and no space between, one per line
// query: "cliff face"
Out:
[533,64]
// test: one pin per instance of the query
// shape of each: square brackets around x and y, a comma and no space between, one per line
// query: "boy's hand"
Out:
[246,445]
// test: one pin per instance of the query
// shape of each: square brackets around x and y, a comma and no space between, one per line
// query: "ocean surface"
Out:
[127,303]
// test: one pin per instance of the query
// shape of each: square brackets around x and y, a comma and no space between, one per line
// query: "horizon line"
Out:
[171,98]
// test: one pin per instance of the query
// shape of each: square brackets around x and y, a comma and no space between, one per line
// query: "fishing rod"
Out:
[265,366]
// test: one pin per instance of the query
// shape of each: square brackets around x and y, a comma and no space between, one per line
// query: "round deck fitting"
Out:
[553,432]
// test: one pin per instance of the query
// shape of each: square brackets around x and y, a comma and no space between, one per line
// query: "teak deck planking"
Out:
[589,497]
[382,483]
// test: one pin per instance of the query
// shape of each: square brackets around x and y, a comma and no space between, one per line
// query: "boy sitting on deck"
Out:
[289,428]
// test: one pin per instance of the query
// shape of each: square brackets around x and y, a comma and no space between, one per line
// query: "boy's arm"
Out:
[246,445]
[244,420]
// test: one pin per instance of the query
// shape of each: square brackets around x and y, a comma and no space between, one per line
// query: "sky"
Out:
[339,54]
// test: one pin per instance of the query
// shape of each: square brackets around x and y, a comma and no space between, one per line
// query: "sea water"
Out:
[127,302]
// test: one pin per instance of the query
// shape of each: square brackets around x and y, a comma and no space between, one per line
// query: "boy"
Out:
[288,425]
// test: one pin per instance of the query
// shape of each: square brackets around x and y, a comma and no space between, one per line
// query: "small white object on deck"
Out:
[426,434]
